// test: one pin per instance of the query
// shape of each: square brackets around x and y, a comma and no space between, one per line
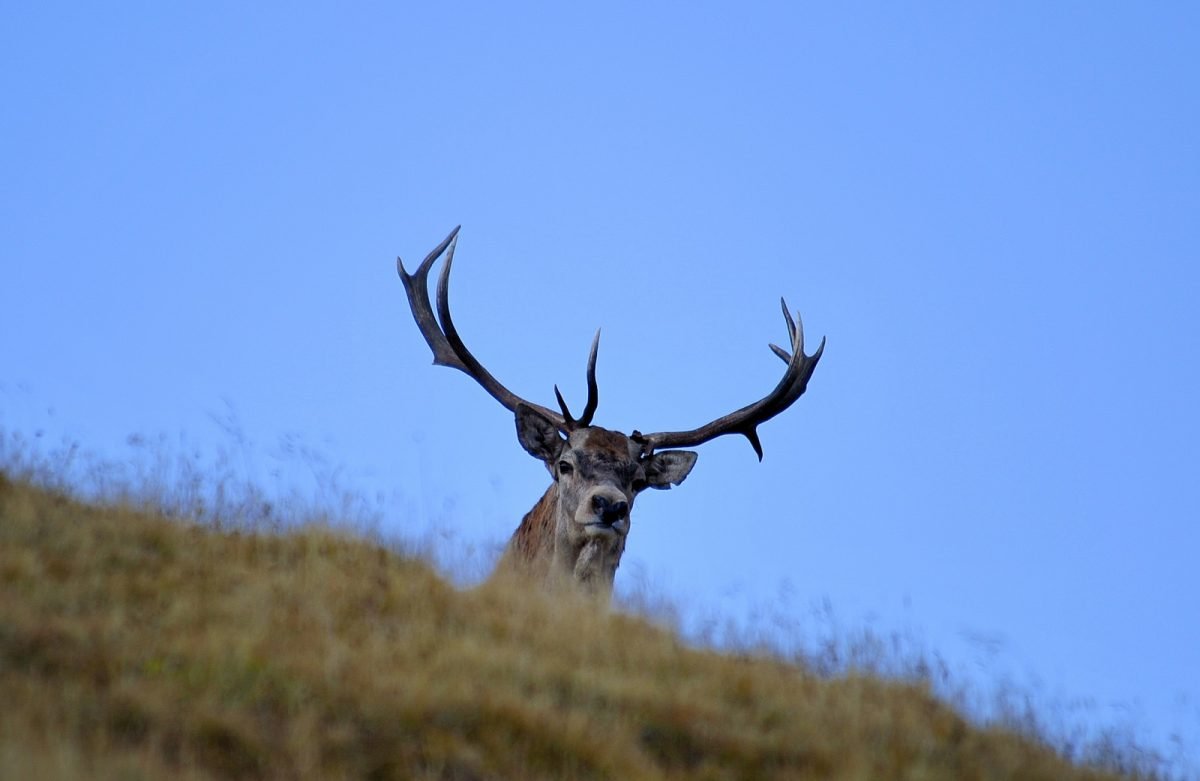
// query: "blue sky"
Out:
[990,210]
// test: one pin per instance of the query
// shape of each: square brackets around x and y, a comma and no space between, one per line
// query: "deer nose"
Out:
[609,512]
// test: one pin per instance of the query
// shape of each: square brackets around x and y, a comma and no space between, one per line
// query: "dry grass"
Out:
[136,646]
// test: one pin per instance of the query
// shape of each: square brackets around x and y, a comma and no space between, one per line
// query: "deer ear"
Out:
[537,434]
[669,467]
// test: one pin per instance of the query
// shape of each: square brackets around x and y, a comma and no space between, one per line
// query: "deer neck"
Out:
[531,548]
[543,546]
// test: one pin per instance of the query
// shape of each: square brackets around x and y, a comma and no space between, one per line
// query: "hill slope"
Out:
[133,646]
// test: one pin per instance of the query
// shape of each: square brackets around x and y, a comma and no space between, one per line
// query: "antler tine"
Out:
[568,418]
[589,410]
[793,330]
[441,335]
[746,420]
[593,389]
[417,287]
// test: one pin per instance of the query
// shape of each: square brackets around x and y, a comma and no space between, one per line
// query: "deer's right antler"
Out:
[449,349]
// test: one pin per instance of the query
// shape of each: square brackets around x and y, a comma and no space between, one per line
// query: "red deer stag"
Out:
[578,528]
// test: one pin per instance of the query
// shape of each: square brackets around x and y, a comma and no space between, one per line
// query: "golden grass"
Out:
[134,646]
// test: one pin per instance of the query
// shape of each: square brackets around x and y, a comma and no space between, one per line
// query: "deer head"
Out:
[577,530]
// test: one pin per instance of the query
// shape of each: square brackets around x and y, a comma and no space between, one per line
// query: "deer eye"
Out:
[565,468]
[639,485]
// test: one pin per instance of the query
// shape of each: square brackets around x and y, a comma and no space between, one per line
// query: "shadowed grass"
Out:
[133,645]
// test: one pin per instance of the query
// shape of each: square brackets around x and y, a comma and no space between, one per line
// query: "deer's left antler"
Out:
[746,420]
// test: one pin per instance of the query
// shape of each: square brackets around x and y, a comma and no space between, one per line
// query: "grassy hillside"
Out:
[133,646]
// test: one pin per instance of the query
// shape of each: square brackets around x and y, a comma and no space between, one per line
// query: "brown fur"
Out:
[532,544]
[610,443]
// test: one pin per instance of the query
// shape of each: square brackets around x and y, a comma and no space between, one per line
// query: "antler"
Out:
[449,350]
[746,420]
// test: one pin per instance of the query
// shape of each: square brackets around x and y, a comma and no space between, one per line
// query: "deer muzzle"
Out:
[605,512]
